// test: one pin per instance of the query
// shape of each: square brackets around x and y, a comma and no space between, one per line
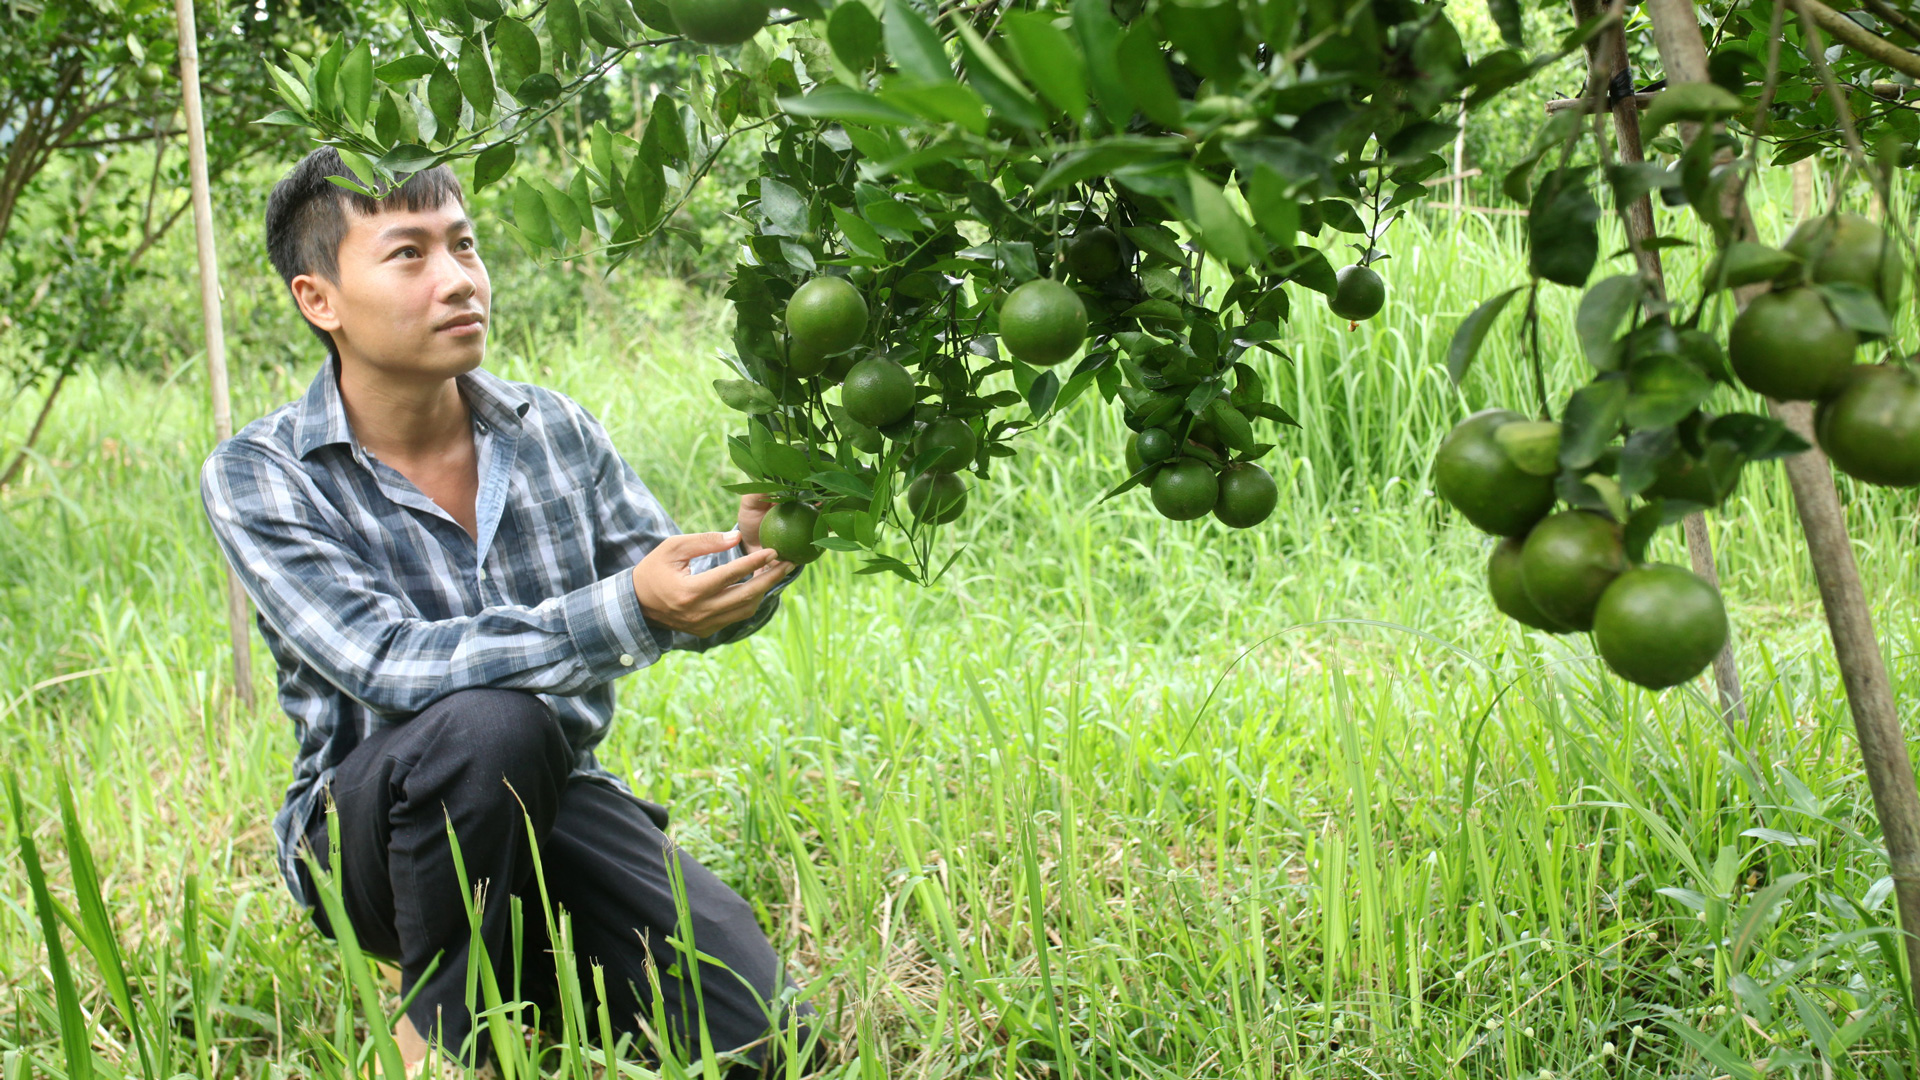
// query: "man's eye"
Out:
[465,243]
[408,252]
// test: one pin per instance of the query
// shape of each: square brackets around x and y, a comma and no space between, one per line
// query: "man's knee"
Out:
[507,734]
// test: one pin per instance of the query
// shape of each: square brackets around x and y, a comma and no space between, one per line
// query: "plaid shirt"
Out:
[375,602]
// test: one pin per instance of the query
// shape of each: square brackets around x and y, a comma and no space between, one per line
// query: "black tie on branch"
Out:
[1619,87]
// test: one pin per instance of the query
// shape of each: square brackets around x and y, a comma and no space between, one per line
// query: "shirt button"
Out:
[626,659]
[483,573]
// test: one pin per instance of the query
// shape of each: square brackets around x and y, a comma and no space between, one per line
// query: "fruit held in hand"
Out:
[951,432]
[1567,563]
[825,316]
[1247,495]
[1659,625]
[1848,247]
[1043,322]
[1094,254]
[1358,294]
[1476,477]
[937,498]
[1510,593]
[877,392]
[1185,490]
[788,530]
[719,22]
[1788,345]
[1871,428]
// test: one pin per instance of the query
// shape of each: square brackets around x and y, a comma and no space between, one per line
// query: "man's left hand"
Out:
[752,509]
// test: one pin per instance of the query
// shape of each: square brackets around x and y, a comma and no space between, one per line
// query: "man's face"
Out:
[413,296]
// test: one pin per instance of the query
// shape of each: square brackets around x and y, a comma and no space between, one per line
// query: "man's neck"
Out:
[403,419]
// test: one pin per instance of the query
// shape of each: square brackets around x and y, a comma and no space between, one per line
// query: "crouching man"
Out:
[451,571]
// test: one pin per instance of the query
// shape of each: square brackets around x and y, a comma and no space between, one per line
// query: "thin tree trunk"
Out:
[1608,51]
[189,51]
[33,434]
[1883,747]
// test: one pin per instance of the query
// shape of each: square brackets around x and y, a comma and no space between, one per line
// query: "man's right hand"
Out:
[703,604]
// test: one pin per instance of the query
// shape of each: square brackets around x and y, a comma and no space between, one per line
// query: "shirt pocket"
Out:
[553,547]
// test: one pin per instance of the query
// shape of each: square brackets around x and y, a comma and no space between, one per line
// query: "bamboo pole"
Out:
[1883,747]
[238,611]
[1608,53]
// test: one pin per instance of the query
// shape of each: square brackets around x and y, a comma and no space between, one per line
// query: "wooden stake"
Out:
[1883,748]
[238,611]
[1608,52]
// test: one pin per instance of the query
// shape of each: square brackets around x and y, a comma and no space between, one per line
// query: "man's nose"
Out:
[455,281]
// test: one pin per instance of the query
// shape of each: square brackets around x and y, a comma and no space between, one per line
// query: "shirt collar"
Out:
[322,412]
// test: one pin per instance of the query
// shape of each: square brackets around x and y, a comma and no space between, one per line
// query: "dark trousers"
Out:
[482,759]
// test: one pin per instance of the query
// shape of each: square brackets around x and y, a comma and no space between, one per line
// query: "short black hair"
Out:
[307,216]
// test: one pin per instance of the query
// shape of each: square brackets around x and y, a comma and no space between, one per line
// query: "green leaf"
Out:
[76,1037]
[493,163]
[406,69]
[563,26]
[1147,74]
[476,79]
[356,83]
[1857,307]
[443,98]
[291,90]
[538,87]
[1100,159]
[1158,241]
[530,214]
[1532,445]
[1747,263]
[1592,419]
[1223,232]
[854,35]
[283,118]
[1210,35]
[940,102]
[1276,212]
[858,234]
[1563,235]
[1472,332]
[1700,101]
[913,45]
[560,210]
[1099,34]
[995,82]
[844,104]
[1604,307]
[1049,59]
[408,158]
[386,119]
[783,208]
[665,129]
[1506,16]
[745,396]
[516,53]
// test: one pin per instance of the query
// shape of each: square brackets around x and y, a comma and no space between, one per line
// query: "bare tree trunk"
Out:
[1608,52]
[238,621]
[33,434]
[1883,747]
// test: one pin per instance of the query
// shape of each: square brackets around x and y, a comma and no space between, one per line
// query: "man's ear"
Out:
[315,296]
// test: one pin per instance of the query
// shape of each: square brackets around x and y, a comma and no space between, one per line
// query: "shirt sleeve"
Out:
[630,522]
[297,559]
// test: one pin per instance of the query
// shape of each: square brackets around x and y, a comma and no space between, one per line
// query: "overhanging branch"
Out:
[1863,41]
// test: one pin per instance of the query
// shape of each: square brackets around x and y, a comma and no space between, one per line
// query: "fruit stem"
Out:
[1883,748]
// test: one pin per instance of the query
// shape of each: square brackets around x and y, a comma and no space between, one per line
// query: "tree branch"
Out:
[1863,41]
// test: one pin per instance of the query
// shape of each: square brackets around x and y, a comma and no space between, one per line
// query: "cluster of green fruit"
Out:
[1792,344]
[1655,625]
[1191,477]
[1041,322]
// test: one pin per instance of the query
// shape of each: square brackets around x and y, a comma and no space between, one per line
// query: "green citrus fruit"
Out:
[804,361]
[1848,247]
[1204,433]
[719,22]
[1567,562]
[1155,445]
[1358,294]
[840,363]
[788,530]
[1659,625]
[877,392]
[826,315]
[1510,594]
[951,432]
[1043,322]
[1475,476]
[1134,463]
[1871,428]
[937,498]
[1247,495]
[1184,490]
[1788,345]
[152,74]
[1094,254]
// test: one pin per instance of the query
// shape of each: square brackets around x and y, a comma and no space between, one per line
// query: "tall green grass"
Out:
[1118,797]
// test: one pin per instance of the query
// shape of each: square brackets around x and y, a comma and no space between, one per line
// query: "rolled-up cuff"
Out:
[608,628]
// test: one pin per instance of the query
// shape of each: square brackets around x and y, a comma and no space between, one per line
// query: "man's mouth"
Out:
[469,323]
